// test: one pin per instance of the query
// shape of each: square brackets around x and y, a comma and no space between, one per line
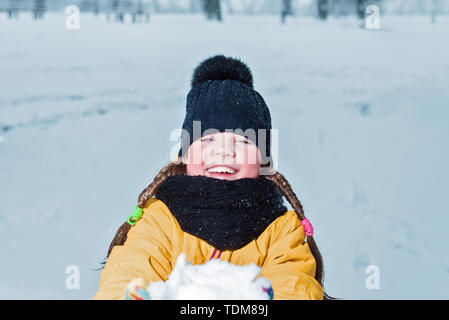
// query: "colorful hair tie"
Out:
[308,229]
[136,215]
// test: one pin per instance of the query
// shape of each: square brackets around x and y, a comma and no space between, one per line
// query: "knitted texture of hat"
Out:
[222,97]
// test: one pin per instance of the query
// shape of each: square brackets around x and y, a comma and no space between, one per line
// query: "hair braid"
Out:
[171,169]
[283,185]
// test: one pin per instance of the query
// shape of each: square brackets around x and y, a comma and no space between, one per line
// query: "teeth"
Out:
[221,170]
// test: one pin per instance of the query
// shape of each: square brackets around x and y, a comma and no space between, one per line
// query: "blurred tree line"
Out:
[215,9]
[13,7]
[326,8]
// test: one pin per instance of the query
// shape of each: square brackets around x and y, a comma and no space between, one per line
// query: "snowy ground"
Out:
[85,119]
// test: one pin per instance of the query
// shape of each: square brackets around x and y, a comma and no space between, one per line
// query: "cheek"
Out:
[247,155]
[248,159]
[198,156]
[194,170]
[249,171]
[194,165]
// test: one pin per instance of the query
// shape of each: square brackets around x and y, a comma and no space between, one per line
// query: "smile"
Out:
[221,169]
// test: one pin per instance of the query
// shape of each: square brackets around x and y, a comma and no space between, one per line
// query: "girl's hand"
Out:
[137,290]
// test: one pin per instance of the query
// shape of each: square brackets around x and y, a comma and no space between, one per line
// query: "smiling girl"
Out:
[212,202]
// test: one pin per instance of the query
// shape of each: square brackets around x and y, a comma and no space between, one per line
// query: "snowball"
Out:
[214,280]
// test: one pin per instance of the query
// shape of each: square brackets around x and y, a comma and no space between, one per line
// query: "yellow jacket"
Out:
[156,240]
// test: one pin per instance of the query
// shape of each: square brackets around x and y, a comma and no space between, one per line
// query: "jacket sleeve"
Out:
[289,264]
[145,254]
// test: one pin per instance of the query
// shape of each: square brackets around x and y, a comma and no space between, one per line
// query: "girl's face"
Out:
[223,155]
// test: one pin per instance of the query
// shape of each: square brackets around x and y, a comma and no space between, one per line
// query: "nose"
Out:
[226,149]
[225,152]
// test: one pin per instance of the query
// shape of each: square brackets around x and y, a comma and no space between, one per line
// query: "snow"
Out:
[86,116]
[213,280]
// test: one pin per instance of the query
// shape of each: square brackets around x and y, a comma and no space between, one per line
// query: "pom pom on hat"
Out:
[220,67]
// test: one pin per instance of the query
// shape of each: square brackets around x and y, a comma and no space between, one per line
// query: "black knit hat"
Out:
[222,97]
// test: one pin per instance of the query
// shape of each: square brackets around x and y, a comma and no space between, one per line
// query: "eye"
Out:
[207,139]
[243,141]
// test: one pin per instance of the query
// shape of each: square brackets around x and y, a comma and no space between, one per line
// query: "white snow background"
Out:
[362,116]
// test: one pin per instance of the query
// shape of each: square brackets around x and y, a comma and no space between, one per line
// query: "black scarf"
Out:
[227,214]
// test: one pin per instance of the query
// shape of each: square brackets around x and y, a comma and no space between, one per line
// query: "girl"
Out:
[213,202]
